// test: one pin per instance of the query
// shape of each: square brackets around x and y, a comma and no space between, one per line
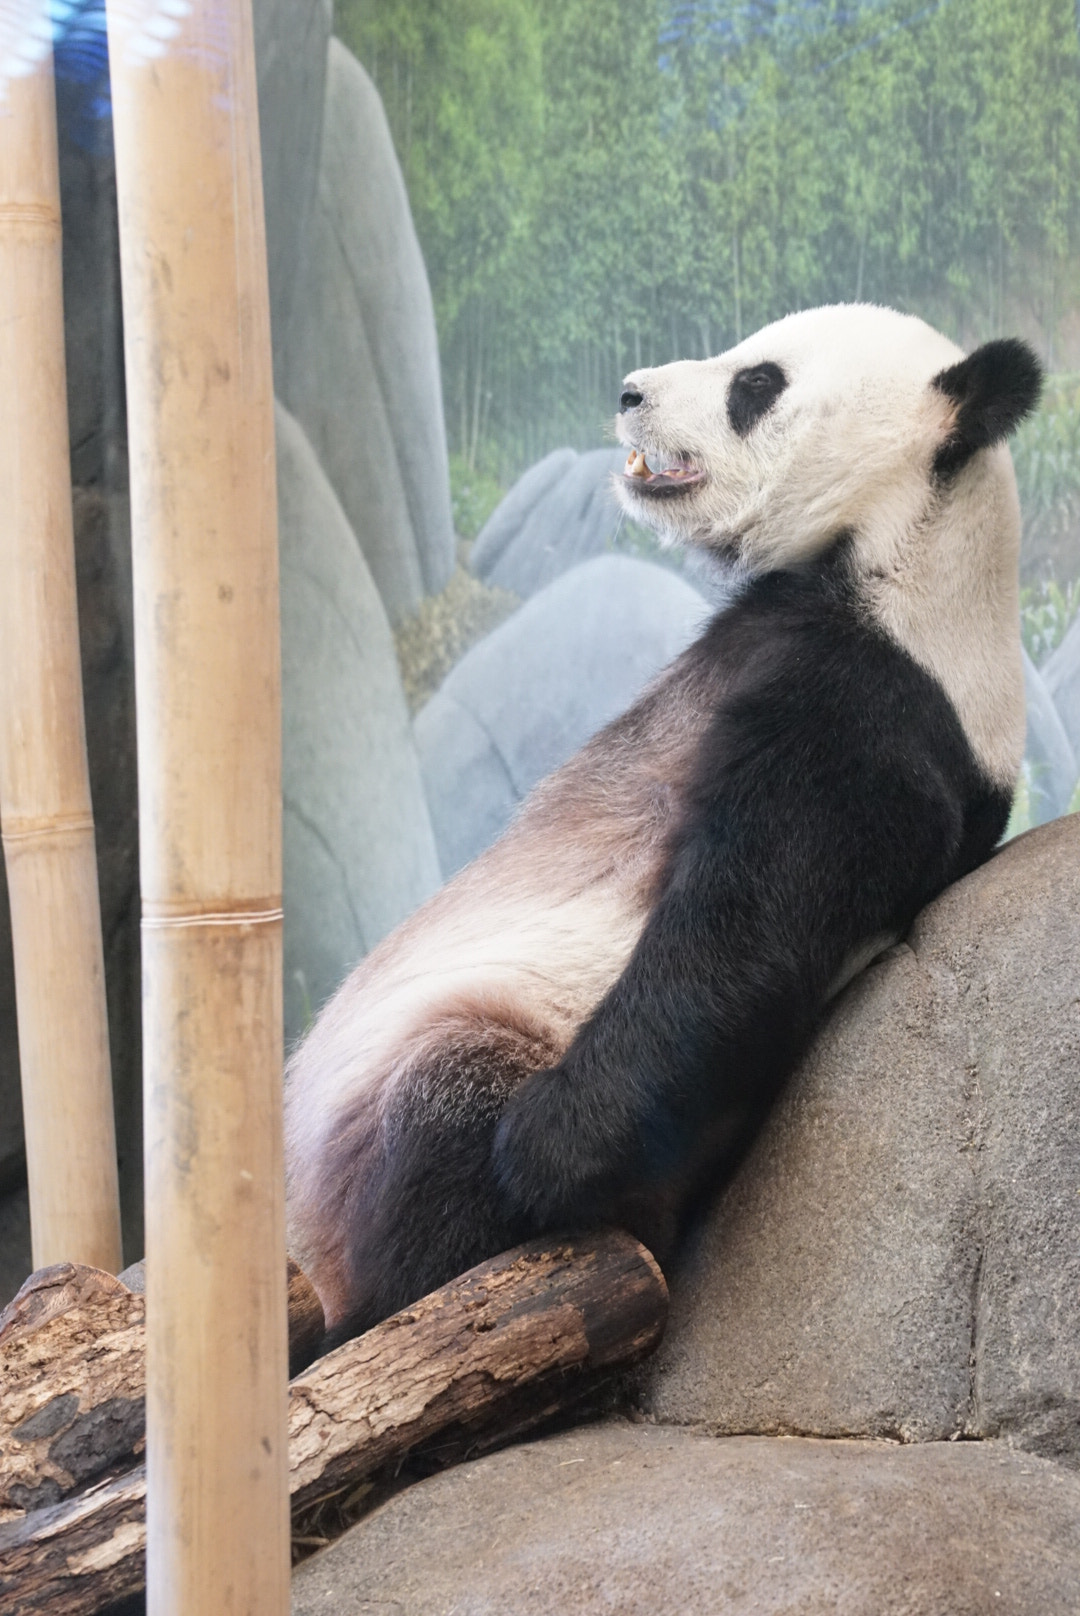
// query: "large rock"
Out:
[1061,671]
[362,366]
[359,853]
[635,1520]
[900,1254]
[575,516]
[531,693]
[1048,750]
[291,42]
[511,513]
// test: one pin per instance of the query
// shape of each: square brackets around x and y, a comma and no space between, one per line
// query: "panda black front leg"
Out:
[829,806]
[684,1052]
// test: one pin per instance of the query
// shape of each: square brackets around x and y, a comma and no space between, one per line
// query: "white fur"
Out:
[849,444]
[532,933]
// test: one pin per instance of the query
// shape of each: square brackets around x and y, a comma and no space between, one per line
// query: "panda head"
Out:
[849,419]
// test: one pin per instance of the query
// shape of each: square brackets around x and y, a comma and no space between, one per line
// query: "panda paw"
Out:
[549,1155]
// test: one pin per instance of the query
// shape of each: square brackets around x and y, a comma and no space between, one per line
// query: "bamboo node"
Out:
[43,828]
[30,218]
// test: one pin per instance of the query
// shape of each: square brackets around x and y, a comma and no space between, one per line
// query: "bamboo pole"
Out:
[207,670]
[45,811]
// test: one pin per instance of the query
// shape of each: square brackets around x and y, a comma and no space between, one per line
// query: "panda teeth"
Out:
[666,471]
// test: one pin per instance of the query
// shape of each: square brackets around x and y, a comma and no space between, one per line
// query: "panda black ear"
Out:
[993,388]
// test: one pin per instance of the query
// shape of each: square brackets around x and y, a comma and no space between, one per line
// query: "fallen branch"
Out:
[467,1356]
[72,1384]
[73,1378]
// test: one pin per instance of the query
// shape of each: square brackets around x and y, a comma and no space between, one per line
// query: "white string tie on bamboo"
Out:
[224,917]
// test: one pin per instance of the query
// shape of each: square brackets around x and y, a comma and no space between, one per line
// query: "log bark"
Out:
[307,1326]
[468,1356]
[73,1378]
[72,1384]
[464,1353]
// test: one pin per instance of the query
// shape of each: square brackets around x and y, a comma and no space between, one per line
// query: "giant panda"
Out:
[588,1023]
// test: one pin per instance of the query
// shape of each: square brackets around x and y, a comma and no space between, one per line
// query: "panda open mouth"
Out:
[672,474]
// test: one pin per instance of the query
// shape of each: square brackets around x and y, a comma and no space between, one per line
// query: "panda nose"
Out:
[631,399]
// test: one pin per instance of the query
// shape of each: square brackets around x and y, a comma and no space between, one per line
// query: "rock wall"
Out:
[359,851]
[631,1520]
[895,1267]
[361,368]
[531,693]
[900,1254]
[291,42]
[559,513]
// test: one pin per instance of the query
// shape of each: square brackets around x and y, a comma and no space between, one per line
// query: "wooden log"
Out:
[72,1384]
[307,1325]
[73,1378]
[208,716]
[45,810]
[468,1356]
[464,1353]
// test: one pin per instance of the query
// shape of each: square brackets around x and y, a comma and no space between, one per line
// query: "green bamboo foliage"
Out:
[603,183]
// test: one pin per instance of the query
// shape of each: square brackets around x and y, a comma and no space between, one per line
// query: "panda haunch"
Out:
[588,1023]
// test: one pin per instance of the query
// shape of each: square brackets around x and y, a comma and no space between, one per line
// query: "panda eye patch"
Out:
[752,394]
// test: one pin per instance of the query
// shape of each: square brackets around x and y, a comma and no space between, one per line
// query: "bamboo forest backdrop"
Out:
[599,184]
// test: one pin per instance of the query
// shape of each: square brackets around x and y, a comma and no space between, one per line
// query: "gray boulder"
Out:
[1061,672]
[900,1254]
[361,370]
[574,518]
[359,853]
[291,41]
[533,691]
[635,1520]
[513,511]
[1048,751]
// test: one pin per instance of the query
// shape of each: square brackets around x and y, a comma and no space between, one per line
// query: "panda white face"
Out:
[860,421]
[828,420]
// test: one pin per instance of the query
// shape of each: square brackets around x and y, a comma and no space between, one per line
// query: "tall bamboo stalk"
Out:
[45,811]
[200,423]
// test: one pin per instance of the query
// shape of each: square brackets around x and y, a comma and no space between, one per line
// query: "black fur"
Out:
[994,388]
[429,1208]
[752,394]
[835,795]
